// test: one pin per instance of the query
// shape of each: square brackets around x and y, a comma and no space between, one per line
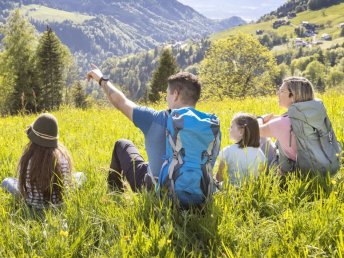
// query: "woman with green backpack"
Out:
[304,134]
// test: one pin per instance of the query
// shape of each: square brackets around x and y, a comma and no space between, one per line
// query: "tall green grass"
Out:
[263,218]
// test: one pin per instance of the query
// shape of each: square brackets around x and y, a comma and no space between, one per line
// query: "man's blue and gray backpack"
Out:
[192,145]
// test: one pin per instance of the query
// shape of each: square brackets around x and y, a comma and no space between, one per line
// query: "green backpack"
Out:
[318,150]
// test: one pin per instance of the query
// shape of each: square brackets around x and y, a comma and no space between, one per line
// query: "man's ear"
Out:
[176,94]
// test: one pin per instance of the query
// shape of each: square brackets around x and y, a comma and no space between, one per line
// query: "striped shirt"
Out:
[35,198]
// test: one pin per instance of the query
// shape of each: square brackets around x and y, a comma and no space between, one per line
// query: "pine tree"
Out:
[167,66]
[19,87]
[50,67]
[321,57]
[320,86]
[79,95]
[314,4]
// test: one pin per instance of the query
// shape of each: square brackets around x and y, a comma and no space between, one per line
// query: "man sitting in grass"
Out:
[183,91]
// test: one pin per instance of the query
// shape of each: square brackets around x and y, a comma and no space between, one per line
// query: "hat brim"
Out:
[40,141]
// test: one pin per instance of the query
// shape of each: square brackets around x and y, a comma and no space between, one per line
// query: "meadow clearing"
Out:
[261,219]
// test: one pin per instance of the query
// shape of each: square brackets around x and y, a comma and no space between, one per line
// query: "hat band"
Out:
[44,136]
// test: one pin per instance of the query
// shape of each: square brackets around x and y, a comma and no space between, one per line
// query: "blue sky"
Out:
[247,9]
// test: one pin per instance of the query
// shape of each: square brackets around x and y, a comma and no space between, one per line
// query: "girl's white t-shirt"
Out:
[242,162]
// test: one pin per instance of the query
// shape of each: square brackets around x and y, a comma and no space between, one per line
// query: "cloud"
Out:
[219,9]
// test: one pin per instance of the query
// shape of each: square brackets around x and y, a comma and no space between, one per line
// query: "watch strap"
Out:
[102,79]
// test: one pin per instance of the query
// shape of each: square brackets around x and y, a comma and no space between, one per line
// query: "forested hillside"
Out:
[133,72]
[293,52]
[116,27]
[292,7]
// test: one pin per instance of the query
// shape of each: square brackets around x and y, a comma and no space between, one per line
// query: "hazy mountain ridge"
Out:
[247,9]
[123,27]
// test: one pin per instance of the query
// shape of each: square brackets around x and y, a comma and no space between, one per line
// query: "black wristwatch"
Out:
[102,79]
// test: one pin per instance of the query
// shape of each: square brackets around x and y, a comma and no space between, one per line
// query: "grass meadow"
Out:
[260,219]
[44,14]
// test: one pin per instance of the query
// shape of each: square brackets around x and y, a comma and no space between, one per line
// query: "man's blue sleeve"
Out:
[143,118]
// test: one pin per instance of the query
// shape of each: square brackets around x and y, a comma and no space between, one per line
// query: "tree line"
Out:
[133,73]
[241,66]
[238,66]
[297,6]
[36,71]
[325,68]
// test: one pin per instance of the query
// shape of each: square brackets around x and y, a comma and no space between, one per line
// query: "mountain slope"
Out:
[133,72]
[328,19]
[119,27]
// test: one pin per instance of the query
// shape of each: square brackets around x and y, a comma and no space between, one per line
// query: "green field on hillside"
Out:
[43,13]
[260,219]
[330,17]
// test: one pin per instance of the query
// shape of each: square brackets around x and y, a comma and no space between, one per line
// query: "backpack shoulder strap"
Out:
[176,146]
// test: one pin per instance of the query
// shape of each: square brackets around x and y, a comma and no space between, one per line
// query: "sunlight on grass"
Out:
[263,218]
[43,13]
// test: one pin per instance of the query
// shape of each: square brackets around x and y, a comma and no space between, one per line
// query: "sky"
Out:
[246,9]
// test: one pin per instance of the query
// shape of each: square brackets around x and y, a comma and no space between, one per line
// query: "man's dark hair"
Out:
[187,85]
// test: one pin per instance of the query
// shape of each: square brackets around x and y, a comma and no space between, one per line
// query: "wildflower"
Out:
[64,233]
[334,182]
[127,238]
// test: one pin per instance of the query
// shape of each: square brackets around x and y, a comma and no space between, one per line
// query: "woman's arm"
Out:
[264,122]
[264,130]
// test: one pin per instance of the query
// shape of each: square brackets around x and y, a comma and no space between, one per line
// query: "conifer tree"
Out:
[320,85]
[321,57]
[79,95]
[49,63]
[19,87]
[167,66]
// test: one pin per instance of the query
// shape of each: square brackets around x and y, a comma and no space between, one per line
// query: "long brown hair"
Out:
[42,167]
[249,124]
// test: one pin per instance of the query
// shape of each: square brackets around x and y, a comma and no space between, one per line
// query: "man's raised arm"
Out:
[116,97]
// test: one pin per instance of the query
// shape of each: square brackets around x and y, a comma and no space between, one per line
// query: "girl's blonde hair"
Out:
[300,88]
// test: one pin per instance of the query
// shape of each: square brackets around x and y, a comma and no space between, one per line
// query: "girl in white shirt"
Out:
[244,158]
